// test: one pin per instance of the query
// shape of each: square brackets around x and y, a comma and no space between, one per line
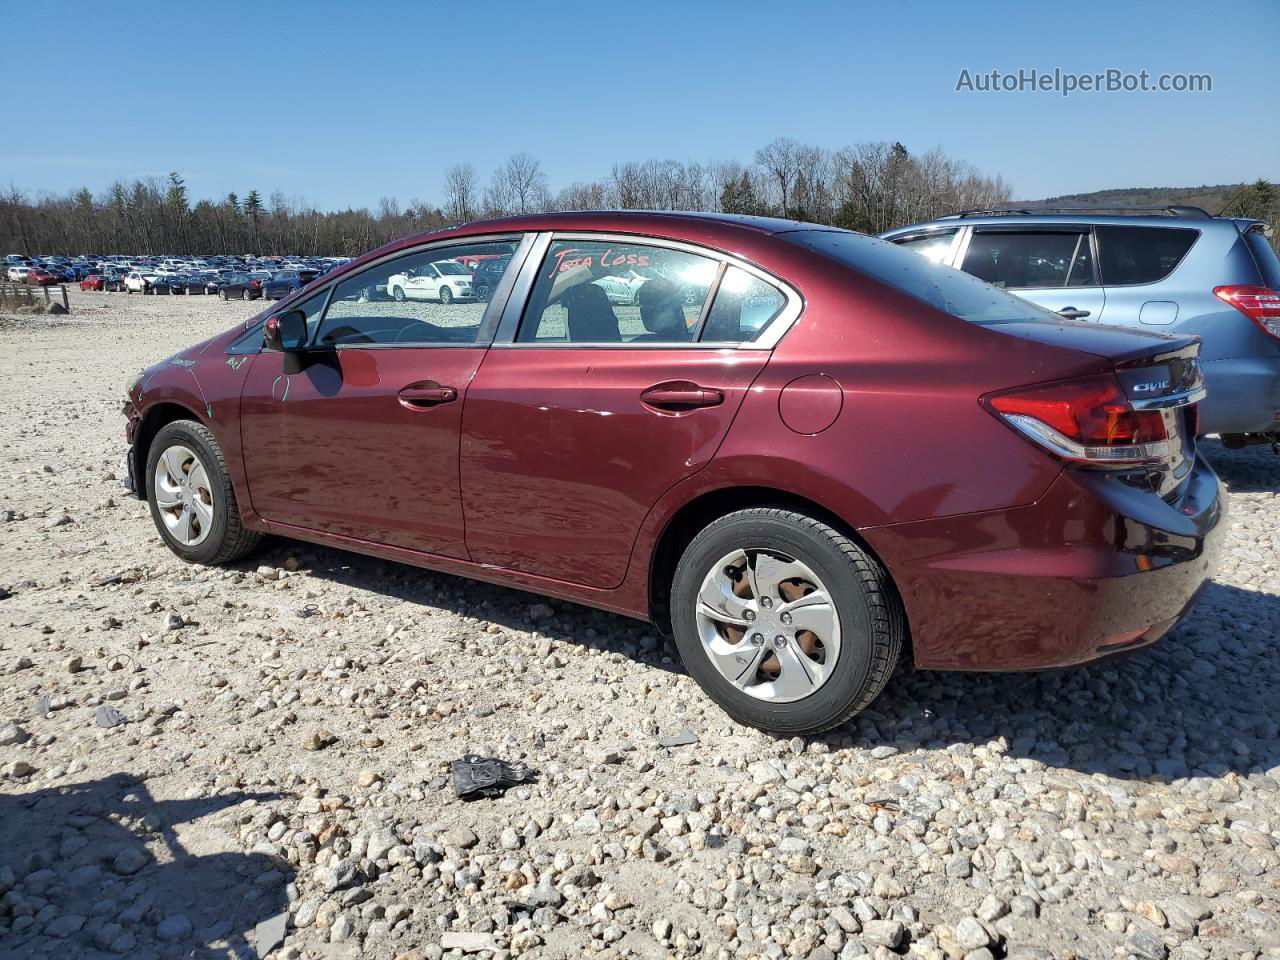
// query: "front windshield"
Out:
[452,268]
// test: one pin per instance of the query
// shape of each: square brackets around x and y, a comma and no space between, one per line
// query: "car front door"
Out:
[1053,266]
[585,412]
[362,441]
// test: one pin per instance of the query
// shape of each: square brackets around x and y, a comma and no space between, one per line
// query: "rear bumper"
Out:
[1244,395]
[1093,568]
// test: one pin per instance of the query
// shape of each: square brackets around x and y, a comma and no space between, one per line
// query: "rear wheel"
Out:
[192,501]
[245,295]
[784,621]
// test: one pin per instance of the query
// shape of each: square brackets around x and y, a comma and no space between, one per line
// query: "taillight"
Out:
[1087,421]
[1259,304]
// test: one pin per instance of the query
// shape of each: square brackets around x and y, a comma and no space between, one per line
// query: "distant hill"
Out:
[1211,198]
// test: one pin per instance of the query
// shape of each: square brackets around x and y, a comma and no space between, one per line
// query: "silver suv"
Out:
[1171,269]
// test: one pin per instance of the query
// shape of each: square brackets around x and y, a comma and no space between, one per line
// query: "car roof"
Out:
[714,230]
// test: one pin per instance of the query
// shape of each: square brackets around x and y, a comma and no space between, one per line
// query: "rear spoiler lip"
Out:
[1182,348]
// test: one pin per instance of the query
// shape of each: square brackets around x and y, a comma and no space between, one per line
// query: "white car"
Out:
[18,274]
[444,280]
[135,281]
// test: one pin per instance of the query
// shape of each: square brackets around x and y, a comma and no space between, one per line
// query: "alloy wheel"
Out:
[184,495]
[768,625]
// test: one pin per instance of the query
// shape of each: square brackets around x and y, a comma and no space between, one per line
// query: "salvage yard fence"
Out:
[26,295]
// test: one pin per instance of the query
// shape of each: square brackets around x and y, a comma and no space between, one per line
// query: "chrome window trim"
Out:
[767,339]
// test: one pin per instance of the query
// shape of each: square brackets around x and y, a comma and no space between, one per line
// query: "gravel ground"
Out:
[252,761]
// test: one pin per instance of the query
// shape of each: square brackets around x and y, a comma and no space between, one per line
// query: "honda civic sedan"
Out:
[803,453]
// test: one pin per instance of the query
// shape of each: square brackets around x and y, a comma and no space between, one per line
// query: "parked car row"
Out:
[239,277]
[802,452]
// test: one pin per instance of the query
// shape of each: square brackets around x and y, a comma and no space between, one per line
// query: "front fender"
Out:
[201,383]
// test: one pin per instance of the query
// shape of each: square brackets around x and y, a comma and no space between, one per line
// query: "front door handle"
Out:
[1071,313]
[426,394]
[681,396]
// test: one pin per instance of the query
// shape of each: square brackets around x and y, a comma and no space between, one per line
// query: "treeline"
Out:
[868,186]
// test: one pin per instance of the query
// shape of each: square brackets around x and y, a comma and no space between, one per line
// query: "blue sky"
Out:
[341,104]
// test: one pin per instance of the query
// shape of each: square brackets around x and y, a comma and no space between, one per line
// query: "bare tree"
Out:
[460,188]
[526,183]
[780,160]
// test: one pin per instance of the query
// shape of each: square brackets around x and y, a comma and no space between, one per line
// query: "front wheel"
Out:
[446,295]
[784,621]
[192,501]
[245,295]
[397,294]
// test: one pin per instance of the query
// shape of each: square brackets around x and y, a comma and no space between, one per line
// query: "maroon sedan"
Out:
[803,452]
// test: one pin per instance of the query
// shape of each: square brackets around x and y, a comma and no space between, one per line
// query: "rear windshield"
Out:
[1268,263]
[943,288]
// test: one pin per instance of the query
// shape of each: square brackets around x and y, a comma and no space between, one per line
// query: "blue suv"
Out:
[1170,269]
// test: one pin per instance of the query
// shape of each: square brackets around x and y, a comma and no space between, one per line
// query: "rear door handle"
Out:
[426,394]
[681,396]
[1071,313]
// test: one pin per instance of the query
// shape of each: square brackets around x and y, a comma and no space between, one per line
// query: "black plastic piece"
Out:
[475,776]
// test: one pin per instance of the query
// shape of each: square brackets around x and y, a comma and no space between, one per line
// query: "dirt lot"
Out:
[201,762]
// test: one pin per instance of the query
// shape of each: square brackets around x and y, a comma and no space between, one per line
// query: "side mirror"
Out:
[286,332]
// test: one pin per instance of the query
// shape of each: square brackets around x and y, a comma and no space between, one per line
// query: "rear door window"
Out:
[1133,255]
[1031,260]
[602,291]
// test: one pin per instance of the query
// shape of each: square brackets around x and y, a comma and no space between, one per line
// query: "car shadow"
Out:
[507,607]
[1201,701]
[99,870]
[1247,470]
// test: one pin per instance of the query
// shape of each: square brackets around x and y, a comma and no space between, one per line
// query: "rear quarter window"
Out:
[1134,255]
[943,288]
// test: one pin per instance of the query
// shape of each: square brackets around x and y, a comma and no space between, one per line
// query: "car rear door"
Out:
[358,436]
[1052,265]
[584,412]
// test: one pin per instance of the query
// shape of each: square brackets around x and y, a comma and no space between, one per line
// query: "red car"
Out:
[804,452]
[95,281]
[42,278]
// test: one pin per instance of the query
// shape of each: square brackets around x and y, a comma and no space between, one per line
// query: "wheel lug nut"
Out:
[749,615]
[766,602]
[780,641]
[785,618]
[757,639]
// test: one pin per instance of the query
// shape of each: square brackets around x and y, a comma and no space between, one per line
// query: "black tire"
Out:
[446,295]
[872,622]
[482,293]
[397,294]
[228,540]
[245,294]
[222,295]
